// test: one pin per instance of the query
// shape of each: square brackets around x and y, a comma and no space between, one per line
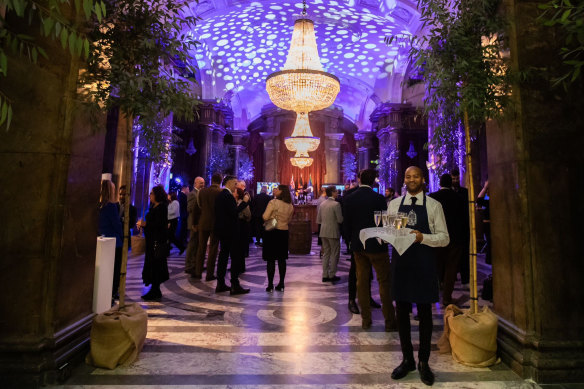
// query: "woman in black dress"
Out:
[155,269]
[276,241]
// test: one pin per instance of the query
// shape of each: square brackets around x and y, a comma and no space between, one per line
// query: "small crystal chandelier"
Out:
[302,86]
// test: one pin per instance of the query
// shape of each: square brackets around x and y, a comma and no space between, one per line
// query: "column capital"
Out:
[335,136]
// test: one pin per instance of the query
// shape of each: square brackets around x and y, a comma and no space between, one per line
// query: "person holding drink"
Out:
[415,279]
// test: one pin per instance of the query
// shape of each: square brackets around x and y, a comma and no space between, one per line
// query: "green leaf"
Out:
[34,54]
[19,6]
[4,112]
[103,10]
[64,38]
[3,63]
[48,24]
[87,8]
[98,12]
[9,117]
[86,48]
[43,52]
[72,40]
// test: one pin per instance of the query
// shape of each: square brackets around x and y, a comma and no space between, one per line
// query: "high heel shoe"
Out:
[280,288]
[270,288]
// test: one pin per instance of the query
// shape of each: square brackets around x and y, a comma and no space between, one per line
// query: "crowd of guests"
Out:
[221,218]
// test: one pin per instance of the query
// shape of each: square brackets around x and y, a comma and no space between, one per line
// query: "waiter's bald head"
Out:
[413,169]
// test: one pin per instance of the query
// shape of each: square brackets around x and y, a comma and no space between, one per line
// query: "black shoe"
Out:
[403,369]
[270,288]
[259,244]
[390,327]
[366,324]
[222,288]
[326,279]
[210,278]
[196,276]
[151,296]
[280,288]
[238,290]
[181,251]
[335,279]
[374,304]
[426,374]
[353,308]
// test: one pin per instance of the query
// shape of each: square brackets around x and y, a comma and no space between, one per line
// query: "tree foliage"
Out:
[386,165]
[141,60]
[60,20]
[246,168]
[570,17]
[349,166]
[460,57]
[219,161]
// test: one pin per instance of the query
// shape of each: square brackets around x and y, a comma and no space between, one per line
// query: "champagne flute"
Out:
[384,218]
[377,217]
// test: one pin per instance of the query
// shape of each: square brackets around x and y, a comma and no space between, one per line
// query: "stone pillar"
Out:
[271,147]
[364,145]
[333,157]
[237,150]
[536,185]
[51,160]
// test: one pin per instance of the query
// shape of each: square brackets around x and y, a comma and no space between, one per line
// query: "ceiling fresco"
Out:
[242,42]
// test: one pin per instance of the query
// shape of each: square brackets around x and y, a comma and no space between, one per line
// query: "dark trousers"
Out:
[258,228]
[182,229]
[192,248]
[403,310]
[380,262]
[447,260]
[204,236]
[117,270]
[464,266]
[272,271]
[172,235]
[353,279]
[227,246]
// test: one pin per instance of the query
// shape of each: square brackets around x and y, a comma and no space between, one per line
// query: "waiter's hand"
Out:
[419,236]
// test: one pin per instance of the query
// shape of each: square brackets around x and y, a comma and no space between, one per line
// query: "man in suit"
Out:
[259,205]
[193,211]
[415,279]
[225,228]
[205,222]
[329,217]
[358,211]
[463,266]
[448,257]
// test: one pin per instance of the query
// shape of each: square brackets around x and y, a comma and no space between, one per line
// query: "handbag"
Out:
[270,224]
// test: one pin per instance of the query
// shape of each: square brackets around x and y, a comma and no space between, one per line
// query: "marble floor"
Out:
[304,337]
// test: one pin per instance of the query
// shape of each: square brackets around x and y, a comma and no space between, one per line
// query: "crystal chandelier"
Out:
[302,86]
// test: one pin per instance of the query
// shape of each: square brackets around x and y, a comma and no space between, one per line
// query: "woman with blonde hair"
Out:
[276,241]
[110,226]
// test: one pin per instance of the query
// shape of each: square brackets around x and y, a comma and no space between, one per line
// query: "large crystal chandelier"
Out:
[302,86]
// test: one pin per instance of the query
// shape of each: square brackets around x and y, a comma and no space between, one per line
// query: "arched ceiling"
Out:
[242,42]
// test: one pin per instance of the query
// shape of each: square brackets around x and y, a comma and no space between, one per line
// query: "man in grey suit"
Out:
[329,217]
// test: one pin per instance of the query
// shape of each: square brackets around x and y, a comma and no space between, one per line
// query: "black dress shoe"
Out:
[196,276]
[326,279]
[238,290]
[390,327]
[280,288]
[222,288]
[210,278]
[426,374]
[374,304]
[353,308]
[403,369]
[151,296]
[270,288]
[366,324]
[335,279]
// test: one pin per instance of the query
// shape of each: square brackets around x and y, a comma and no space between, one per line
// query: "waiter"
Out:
[415,279]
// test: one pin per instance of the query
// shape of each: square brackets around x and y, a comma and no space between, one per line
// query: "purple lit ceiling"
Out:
[242,42]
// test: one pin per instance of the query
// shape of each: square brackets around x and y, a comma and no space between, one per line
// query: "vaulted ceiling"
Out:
[242,42]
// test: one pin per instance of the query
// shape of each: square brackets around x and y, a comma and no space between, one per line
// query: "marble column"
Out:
[364,145]
[536,183]
[237,150]
[333,157]
[271,148]
[51,160]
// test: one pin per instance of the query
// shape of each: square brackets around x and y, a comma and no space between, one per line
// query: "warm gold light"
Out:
[302,86]
[301,139]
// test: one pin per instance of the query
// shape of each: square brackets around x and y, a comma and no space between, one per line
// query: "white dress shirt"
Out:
[173,210]
[439,236]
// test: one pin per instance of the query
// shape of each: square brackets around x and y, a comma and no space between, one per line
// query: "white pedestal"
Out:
[104,274]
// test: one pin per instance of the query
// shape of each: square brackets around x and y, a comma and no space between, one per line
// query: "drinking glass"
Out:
[384,218]
[390,221]
[377,217]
